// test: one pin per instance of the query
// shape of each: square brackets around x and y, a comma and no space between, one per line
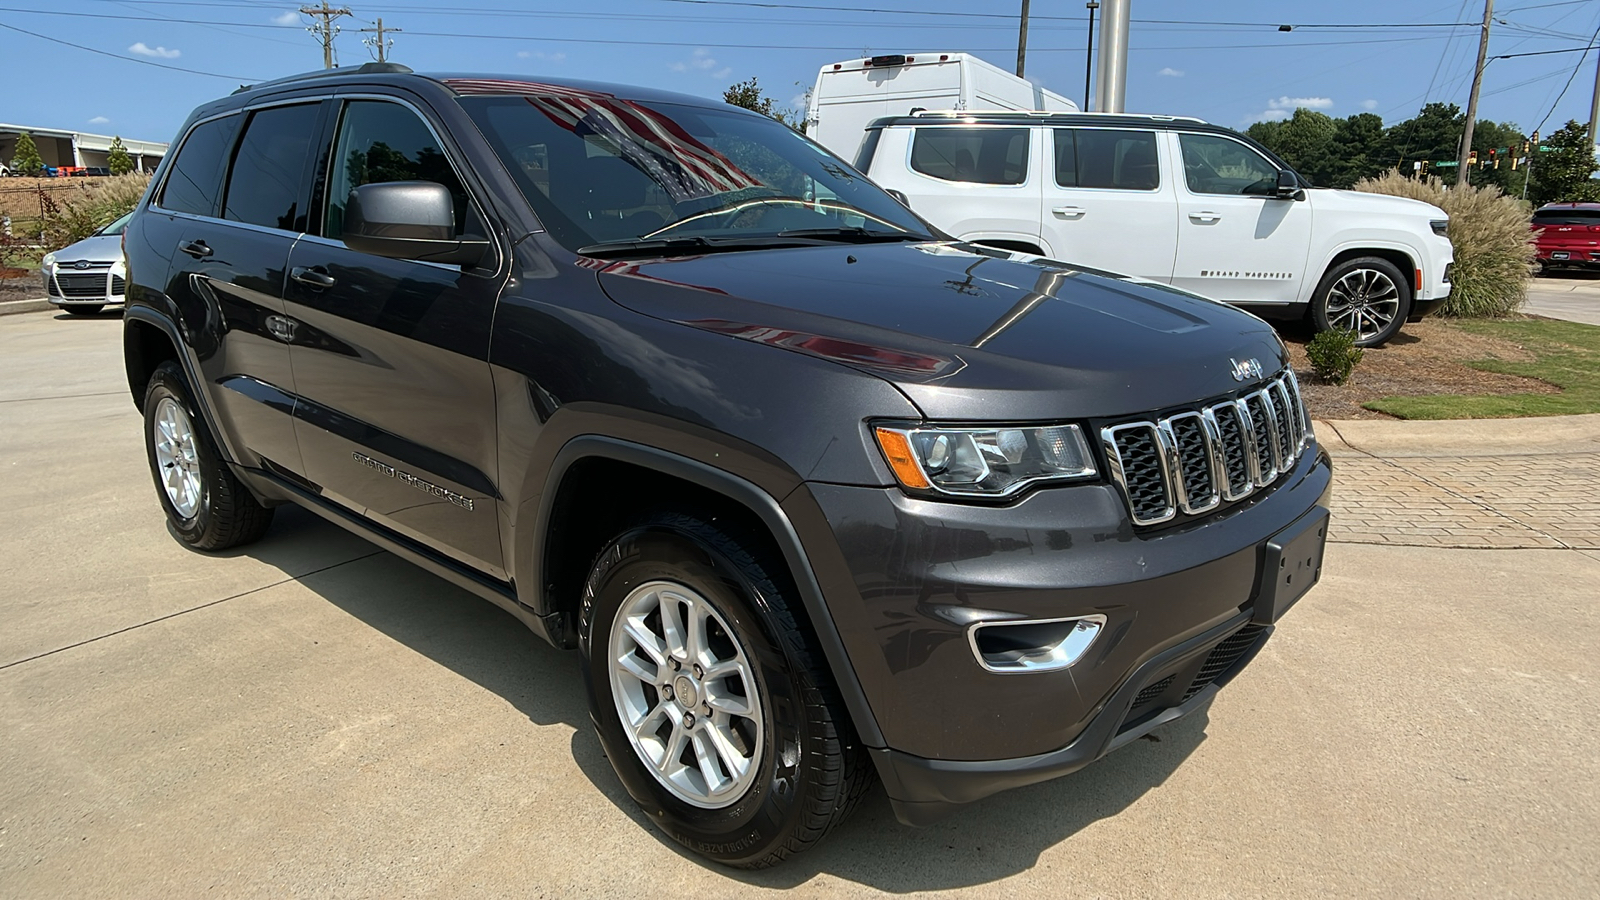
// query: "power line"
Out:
[379,43]
[132,59]
[325,30]
[1569,81]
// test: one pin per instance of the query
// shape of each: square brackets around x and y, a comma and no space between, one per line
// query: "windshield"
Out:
[600,170]
[116,226]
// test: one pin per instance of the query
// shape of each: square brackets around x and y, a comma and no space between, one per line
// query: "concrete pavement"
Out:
[310,716]
[1573,296]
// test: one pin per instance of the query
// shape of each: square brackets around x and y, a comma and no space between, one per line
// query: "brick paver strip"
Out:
[1478,502]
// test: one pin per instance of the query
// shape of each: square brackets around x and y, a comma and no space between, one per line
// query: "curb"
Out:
[12,307]
[1531,436]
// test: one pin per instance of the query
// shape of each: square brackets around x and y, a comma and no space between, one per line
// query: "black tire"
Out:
[226,514]
[799,794]
[80,309]
[1341,286]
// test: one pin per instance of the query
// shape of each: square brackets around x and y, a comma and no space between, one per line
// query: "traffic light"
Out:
[1494,158]
[1472,158]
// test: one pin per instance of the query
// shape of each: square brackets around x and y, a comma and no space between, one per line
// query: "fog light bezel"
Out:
[1061,655]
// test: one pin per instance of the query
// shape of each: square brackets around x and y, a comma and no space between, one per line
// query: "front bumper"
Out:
[98,286]
[905,579]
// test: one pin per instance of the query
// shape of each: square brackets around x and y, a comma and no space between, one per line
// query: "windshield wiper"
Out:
[853,234]
[692,244]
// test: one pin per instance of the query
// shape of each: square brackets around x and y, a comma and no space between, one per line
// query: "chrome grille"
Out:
[1194,459]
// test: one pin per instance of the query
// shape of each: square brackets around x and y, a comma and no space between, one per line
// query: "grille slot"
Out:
[1149,694]
[1139,467]
[118,286]
[1222,657]
[1193,460]
[82,284]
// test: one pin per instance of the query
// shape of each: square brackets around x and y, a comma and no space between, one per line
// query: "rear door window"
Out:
[972,155]
[267,183]
[197,169]
[1102,158]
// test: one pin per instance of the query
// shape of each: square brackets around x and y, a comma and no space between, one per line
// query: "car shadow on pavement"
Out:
[986,841]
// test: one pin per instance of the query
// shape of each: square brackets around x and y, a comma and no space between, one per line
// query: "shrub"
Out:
[25,159]
[1494,244]
[101,203]
[118,160]
[1333,355]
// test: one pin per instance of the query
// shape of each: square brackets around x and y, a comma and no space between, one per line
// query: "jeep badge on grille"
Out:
[1250,368]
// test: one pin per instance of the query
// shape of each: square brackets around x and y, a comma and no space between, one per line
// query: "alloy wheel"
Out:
[686,694]
[1364,301]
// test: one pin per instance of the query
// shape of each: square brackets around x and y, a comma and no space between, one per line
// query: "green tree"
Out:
[1562,168]
[1302,140]
[118,159]
[1433,135]
[749,95]
[25,159]
[1505,139]
[1359,149]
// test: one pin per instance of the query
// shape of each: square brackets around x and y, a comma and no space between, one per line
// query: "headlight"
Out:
[1441,227]
[48,261]
[984,462]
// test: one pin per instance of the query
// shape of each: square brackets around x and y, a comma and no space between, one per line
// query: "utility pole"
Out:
[379,42]
[1111,82]
[326,30]
[1088,55]
[1472,99]
[1594,105]
[1022,39]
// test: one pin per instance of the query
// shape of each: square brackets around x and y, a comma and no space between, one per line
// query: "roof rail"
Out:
[1040,114]
[371,68]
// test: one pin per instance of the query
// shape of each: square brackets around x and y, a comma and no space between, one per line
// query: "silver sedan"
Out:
[85,277]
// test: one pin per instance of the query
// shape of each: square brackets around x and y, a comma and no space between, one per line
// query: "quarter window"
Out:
[974,155]
[268,177]
[197,169]
[378,142]
[1219,165]
[1099,158]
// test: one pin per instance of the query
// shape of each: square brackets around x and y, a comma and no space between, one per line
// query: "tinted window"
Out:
[1567,217]
[265,185]
[869,147]
[1066,158]
[380,142]
[197,169]
[601,169]
[976,155]
[1219,165]
[1111,159]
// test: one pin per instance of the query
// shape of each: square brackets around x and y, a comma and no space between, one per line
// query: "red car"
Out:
[1569,235]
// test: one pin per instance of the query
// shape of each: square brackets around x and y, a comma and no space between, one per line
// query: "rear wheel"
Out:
[711,701]
[83,309]
[1366,295]
[206,505]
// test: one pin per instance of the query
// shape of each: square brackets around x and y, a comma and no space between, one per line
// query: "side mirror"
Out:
[408,220]
[1288,187]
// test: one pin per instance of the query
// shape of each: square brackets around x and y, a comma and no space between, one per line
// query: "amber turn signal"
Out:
[897,449]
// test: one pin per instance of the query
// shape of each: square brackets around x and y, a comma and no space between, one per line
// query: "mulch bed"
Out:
[1424,359]
[27,287]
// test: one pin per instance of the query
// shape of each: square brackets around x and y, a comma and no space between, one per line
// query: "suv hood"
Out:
[966,332]
[1376,204]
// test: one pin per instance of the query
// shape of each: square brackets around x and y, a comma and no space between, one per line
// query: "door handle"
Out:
[1204,217]
[312,276]
[196,249]
[1069,212]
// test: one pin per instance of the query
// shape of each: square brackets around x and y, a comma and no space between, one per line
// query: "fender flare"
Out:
[766,507]
[191,370]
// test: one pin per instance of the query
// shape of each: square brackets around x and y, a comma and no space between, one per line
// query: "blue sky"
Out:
[1232,73]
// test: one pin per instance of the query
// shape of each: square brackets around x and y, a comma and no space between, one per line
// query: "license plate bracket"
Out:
[1559,254]
[1291,565]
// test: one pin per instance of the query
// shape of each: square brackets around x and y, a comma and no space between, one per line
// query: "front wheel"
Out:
[710,700]
[1367,295]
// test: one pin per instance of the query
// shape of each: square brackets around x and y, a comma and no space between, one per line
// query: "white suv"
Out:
[1171,200]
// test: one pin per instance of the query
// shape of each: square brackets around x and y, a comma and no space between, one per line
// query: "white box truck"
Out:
[850,94]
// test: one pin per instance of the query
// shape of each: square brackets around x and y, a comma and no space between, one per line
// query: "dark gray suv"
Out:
[816,492]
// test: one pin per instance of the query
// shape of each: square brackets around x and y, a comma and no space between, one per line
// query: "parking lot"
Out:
[312,716]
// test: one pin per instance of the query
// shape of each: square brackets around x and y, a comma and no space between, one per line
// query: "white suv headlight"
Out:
[984,462]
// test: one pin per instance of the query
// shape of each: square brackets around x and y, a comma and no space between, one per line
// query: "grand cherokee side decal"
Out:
[424,486]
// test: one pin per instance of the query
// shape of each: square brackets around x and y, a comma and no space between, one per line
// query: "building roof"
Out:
[89,141]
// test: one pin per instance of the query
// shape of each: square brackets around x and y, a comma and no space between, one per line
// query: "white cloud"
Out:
[541,55]
[702,61]
[1170,72]
[158,52]
[1369,104]
[1283,107]
[99,120]
[286,18]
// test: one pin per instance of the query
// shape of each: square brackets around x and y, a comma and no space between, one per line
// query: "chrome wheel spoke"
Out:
[673,628]
[705,759]
[633,665]
[644,640]
[721,739]
[177,457]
